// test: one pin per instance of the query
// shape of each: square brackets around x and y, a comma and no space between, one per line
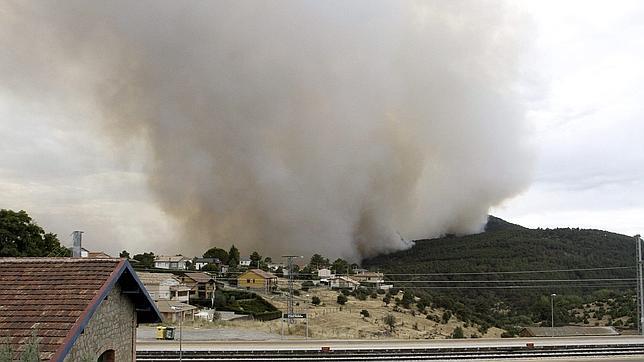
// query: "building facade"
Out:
[177,262]
[257,279]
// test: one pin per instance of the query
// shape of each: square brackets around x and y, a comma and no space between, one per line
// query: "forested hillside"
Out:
[507,274]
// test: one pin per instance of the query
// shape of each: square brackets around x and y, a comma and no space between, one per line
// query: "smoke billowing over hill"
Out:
[339,127]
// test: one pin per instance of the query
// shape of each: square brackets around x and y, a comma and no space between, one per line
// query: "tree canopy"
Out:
[318,261]
[217,253]
[145,260]
[233,256]
[20,236]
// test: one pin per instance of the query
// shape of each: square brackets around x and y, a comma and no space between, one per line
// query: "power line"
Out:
[518,272]
[514,281]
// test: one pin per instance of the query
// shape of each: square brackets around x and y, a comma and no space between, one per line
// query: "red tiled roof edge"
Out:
[87,314]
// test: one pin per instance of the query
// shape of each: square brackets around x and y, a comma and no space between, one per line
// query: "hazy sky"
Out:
[583,86]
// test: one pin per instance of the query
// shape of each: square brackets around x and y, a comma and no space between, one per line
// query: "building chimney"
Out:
[77,236]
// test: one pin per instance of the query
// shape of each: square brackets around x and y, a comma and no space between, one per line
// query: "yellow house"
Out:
[257,279]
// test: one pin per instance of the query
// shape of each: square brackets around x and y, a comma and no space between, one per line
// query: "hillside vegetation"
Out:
[468,274]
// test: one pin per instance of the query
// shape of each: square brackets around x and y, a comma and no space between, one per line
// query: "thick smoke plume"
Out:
[344,128]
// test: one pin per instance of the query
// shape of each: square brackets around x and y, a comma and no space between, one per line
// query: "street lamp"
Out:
[552,312]
[174,307]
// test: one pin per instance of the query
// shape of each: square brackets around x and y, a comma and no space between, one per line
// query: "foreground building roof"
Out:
[55,298]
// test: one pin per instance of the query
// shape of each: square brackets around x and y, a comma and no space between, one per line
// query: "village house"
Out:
[369,279]
[177,262]
[77,308]
[84,253]
[202,285]
[244,261]
[257,279]
[173,311]
[341,282]
[200,263]
[165,286]
[275,266]
[325,273]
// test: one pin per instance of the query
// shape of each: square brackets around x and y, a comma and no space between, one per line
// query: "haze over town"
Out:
[569,135]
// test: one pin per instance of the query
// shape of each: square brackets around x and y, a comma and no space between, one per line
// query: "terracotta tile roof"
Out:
[168,258]
[165,306]
[98,255]
[158,278]
[51,297]
[200,277]
[261,273]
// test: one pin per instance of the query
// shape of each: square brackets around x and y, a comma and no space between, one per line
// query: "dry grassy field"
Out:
[329,320]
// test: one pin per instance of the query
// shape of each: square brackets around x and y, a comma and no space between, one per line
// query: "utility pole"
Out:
[289,304]
[640,287]
[552,313]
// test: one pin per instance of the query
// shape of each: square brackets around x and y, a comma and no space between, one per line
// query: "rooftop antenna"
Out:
[77,237]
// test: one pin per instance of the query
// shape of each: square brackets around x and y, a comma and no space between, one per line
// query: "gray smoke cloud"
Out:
[344,128]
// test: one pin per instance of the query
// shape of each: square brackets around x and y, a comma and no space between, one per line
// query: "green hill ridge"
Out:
[475,275]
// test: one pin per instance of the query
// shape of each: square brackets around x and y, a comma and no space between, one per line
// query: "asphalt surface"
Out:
[300,344]
[147,334]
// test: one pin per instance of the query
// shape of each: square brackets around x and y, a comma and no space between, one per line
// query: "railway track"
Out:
[398,354]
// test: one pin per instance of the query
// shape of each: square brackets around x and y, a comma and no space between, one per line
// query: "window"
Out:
[107,356]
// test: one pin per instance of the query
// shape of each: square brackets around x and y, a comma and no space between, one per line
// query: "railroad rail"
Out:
[397,354]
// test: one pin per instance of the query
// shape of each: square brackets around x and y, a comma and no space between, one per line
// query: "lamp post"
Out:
[552,313]
[180,331]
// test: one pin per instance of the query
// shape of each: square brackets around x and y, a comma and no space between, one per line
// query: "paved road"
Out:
[148,334]
[299,344]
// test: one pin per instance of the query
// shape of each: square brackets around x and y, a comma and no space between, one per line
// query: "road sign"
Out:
[294,315]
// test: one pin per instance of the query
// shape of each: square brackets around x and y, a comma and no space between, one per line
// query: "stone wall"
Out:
[112,327]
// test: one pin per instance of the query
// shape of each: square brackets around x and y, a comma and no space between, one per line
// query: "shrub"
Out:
[386,299]
[365,313]
[458,333]
[446,316]
[316,300]
[390,321]
[342,299]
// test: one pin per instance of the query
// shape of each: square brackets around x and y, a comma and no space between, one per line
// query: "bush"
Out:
[389,321]
[360,294]
[458,333]
[365,313]
[316,300]
[446,316]
[342,299]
